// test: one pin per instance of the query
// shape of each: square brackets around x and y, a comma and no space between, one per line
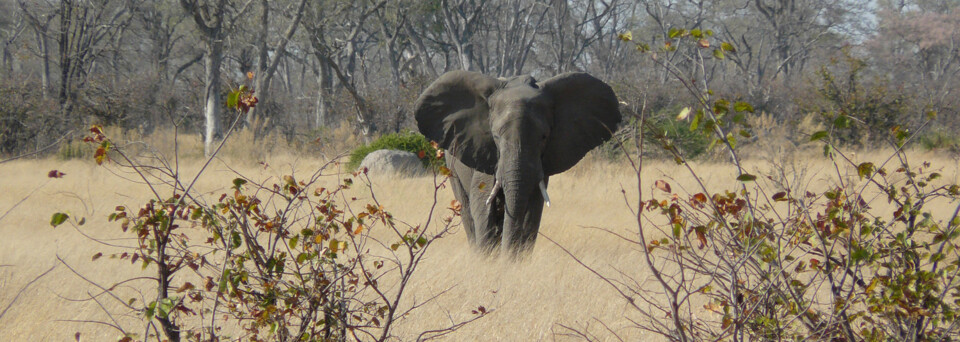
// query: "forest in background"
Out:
[144,65]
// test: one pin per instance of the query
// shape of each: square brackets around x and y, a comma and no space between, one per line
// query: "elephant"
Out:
[504,137]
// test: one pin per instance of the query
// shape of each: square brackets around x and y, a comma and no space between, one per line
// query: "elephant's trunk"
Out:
[517,190]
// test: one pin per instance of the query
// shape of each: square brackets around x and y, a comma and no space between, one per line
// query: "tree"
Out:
[267,64]
[85,31]
[336,42]
[210,17]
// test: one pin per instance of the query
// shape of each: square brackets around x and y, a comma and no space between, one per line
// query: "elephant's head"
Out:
[519,130]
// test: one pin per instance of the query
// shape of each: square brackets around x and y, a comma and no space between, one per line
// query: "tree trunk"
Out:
[211,111]
[66,60]
[44,65]
[324,85]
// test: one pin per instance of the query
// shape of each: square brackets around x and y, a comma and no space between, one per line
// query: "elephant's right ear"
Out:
[454,112]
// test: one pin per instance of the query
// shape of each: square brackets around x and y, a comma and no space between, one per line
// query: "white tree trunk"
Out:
[211,111]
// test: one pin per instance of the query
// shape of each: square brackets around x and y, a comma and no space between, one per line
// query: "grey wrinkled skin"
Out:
[515,132]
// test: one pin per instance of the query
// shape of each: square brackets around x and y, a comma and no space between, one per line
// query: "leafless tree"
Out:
[213,18]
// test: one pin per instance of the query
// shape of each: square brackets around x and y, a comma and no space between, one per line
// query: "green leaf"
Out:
[151,308]
[865,169]
[819,135]
[727,47]
[233,99]
[58,219]
[626,36]
[696,121]
[842,121]
[675,32]
[303,257]
[721,106]
[676,230]
[235,240]
[223,281]
[165,307]
[860,254]
[696,33]
[741,106]
[718,54]
[293,241]
[238,182]
[746,177]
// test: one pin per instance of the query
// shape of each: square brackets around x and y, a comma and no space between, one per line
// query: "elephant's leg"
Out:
[458,183]
[488,218]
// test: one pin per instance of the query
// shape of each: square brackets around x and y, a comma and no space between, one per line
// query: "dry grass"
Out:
[532,300]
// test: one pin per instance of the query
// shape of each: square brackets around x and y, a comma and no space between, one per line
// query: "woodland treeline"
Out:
[315,64]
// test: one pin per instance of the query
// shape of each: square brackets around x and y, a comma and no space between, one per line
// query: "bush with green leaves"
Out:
[664,128]
[292,258]
[409,141]
[867,258]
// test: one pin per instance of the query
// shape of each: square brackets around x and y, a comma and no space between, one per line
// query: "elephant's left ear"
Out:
[585,114]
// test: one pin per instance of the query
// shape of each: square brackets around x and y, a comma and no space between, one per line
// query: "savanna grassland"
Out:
[535,299]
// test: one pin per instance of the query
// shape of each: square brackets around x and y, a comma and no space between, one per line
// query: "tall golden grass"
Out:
[535,299]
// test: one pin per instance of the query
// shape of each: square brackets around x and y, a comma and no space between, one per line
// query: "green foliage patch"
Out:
[408,141]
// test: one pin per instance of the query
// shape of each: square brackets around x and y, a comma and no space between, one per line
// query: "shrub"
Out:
[410,141]
[867,258]
[940,139]
[288,260]
[663,128]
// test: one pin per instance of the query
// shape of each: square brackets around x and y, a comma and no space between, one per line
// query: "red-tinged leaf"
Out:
[780,196]
[100,155]
[55,174]
[701,232]
[662,185]
[440,154]
[358,230]
[185,287]
[97,256]
[482,309]
[700,198]
[704,43]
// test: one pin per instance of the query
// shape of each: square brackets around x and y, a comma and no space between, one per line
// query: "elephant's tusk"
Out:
[493,192]
[543,190]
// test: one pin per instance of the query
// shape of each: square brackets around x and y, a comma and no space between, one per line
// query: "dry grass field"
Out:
[531,300]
